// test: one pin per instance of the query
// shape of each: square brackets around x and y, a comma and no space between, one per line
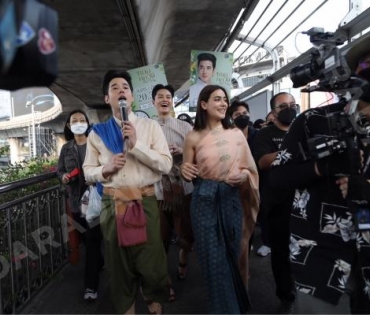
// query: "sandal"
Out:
[172,296]
[154,308]
[182,269]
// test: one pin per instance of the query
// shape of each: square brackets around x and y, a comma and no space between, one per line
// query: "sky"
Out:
[328,16]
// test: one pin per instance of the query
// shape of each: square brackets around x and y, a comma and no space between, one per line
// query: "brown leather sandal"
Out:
[155,308]
[172,296]
[182,269]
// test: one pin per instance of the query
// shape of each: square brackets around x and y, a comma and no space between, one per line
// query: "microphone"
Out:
[124,115]
[123,108]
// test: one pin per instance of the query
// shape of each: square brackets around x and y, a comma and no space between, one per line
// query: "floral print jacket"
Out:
[324,244]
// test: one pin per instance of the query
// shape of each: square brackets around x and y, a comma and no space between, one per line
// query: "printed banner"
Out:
[143,81]
[5,105]
[208,67]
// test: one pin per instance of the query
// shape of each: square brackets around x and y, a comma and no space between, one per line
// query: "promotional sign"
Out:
[5,105]
[143,81]
[208,67]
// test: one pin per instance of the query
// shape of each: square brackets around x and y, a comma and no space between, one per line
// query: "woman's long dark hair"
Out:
[201,117]
[68,134]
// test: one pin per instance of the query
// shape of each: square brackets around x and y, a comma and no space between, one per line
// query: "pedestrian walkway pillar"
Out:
[59,141]
[16,150]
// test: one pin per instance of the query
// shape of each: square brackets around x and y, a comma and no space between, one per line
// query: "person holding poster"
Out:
[128,158]
[173,193]
[206,66]
[219,162]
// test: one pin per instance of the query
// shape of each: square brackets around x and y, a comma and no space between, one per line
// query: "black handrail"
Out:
[26,182]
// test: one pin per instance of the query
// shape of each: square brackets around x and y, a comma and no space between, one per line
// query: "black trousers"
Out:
[262,219]
[359,300]
[278,229]
[94,260]
[178,221]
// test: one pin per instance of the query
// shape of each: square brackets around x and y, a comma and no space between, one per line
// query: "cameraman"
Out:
[330,259]
[358,187]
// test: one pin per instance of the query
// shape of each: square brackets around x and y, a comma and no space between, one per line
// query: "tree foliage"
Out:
[27,169]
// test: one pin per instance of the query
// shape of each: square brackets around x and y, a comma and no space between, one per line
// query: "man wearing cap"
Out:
[330,258]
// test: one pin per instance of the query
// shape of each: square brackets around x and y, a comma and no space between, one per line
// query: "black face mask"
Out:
[365,94]
[365,74]
[286,116]
[241,121]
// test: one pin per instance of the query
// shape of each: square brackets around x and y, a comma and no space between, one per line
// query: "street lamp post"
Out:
[32,101]
[33,130]
[32,141]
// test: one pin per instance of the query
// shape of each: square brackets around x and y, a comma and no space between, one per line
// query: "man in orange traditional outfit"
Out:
[128,158]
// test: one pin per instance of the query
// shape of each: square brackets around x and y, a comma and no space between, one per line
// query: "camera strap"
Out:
[366,164]
[305,153]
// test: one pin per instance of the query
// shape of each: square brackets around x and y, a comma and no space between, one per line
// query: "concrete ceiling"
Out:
[98,35]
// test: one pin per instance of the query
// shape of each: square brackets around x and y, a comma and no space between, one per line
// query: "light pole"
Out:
[32,101]
[33,130]
[33,143]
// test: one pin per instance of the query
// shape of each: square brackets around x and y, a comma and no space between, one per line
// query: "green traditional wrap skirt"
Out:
[137,266]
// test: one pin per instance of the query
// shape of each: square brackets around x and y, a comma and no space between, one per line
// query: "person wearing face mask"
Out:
[275,205]
[71,174]
[330,255]
[358,186]
[239,112]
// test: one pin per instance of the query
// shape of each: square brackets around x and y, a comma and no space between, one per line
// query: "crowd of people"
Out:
[206,182]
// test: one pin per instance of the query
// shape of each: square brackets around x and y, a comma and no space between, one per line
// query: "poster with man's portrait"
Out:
[208,67]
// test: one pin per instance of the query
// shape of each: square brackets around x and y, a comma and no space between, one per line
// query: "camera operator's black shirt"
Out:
[267,140]
[323,240]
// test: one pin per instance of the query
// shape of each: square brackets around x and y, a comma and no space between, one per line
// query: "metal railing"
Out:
[33,238]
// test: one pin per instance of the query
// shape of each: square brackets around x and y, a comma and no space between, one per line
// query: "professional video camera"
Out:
[28,44]
[330,68]
[326,64]
[341,131]
[346,128]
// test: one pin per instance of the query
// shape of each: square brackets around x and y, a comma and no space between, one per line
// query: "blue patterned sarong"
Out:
[216,214]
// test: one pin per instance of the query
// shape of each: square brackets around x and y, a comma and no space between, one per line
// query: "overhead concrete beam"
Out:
[94,37]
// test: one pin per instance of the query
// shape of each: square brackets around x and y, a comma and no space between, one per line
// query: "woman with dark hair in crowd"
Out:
[71,174]
[218,160]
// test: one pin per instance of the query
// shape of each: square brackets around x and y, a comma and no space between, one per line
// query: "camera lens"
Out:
[304,74]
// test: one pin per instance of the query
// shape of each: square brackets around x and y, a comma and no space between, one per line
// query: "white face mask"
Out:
[79,128]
